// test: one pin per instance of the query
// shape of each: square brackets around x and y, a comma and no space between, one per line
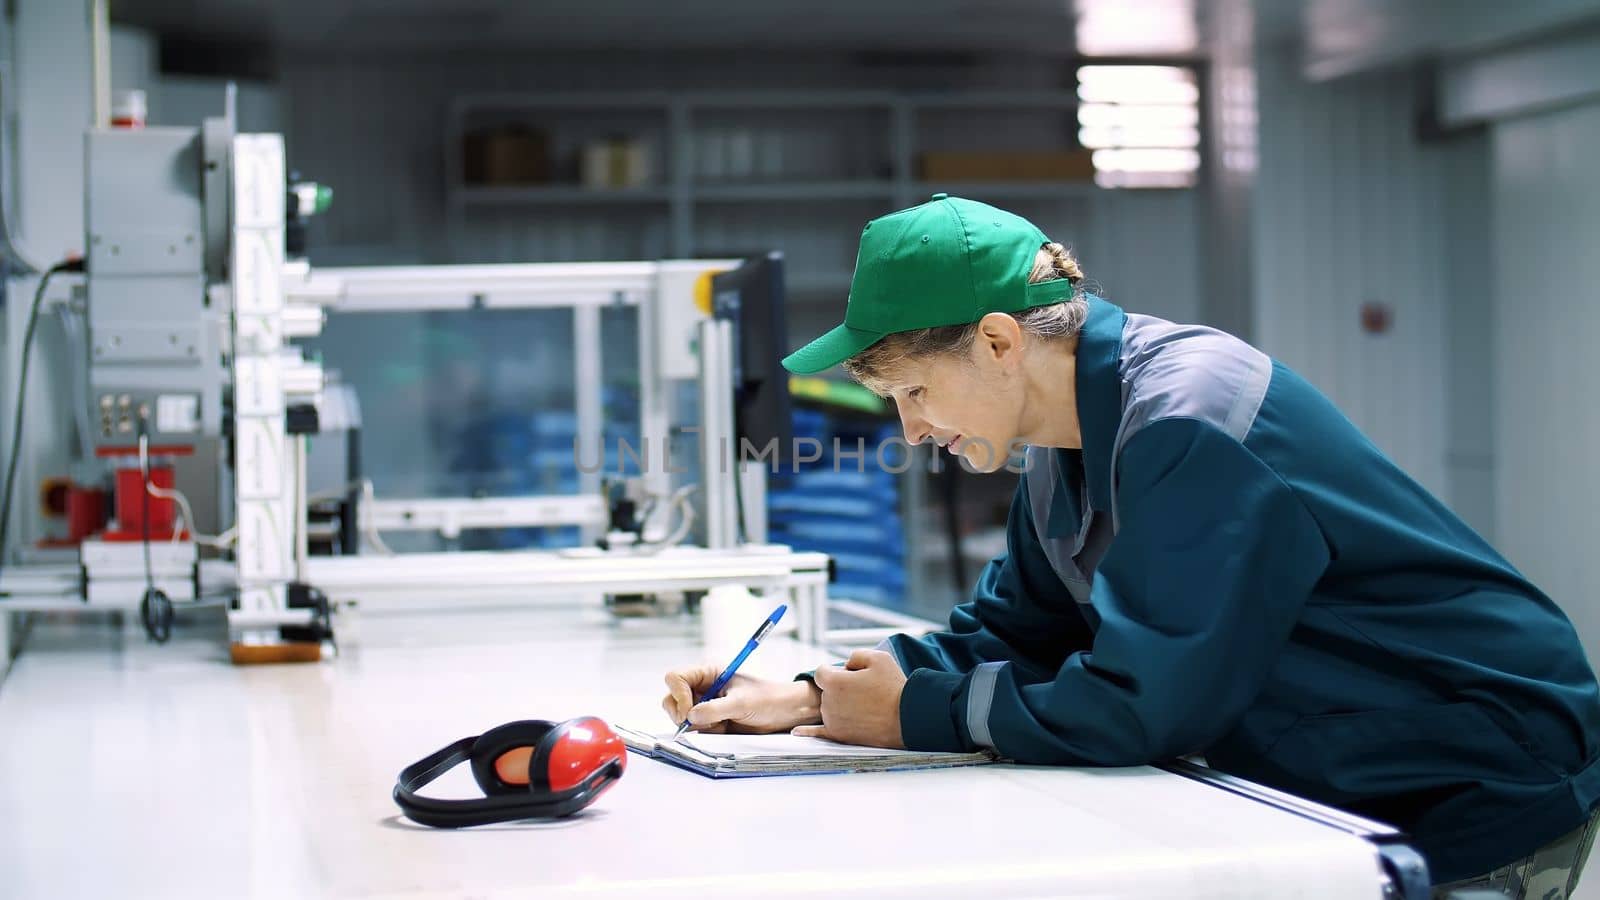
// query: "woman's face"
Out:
[966,403]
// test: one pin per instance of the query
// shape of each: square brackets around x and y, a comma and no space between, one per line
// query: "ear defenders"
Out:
[530,769]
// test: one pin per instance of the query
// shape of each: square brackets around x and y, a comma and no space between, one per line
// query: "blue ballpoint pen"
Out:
[727,674]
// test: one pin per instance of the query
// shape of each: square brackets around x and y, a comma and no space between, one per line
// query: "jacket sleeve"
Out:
[1214,559]
[1020,612]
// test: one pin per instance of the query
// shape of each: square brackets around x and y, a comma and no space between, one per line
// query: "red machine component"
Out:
[86,512]
[83,507]
[132,503]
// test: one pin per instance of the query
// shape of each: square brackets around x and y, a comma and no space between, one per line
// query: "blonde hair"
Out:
[876,367]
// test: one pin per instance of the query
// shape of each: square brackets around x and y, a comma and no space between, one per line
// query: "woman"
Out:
[1203,556]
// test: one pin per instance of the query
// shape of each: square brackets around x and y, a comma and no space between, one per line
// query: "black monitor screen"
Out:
[752,297]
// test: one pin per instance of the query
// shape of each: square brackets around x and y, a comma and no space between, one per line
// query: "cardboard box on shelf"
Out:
[1007,165]
[616,162]
[505,156]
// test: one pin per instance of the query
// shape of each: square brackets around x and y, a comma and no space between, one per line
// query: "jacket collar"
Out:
[1099,389]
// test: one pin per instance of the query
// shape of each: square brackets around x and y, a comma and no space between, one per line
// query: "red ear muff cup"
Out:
[576,750]
[496,742]
[568,766]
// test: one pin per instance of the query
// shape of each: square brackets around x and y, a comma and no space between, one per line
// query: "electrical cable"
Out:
[144,502]
[70,265]
[222,541]
[679,499]
[743,535]
[186,520]
[155,607]
[185,517]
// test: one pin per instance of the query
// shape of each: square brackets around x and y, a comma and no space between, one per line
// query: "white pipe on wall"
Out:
[100,61]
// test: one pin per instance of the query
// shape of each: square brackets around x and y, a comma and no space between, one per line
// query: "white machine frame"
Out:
[669,331]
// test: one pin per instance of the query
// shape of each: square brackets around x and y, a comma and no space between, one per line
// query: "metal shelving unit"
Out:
[887,123]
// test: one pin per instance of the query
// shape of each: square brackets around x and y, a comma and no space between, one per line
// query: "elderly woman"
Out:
[1203,556]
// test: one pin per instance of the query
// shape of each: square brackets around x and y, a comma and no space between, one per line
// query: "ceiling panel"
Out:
[1032,26]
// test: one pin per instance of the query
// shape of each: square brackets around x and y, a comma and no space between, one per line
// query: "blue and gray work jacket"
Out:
[1229,567]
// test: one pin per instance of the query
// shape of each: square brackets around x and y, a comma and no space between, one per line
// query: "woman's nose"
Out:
[915,427]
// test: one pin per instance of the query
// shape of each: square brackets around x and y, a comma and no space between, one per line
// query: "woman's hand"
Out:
[861,702]
[747,706]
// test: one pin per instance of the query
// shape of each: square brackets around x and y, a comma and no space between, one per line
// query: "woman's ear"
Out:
[999,336]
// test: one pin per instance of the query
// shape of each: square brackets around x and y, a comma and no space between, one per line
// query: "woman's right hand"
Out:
[747,706]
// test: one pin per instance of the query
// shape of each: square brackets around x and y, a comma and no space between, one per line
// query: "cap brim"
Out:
[829,350]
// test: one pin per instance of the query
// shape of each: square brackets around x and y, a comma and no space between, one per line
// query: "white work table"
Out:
[134,770]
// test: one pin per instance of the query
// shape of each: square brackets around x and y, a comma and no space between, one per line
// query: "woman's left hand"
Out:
[860,702]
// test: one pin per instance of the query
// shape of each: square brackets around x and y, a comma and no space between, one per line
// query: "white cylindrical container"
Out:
[729,614]
[129,109]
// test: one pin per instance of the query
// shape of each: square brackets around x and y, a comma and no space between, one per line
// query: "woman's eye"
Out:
[914,393]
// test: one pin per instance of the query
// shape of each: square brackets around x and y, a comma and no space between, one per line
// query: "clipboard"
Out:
[765,755]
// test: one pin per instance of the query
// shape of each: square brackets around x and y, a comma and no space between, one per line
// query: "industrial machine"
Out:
[192,306]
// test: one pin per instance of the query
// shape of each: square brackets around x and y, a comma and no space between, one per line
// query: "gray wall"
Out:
[1350,208]
[1485,246]
[1546,424]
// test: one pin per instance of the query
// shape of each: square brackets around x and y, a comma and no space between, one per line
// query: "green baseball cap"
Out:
[949,261]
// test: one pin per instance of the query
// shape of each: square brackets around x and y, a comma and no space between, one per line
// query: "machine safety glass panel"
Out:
[482,403]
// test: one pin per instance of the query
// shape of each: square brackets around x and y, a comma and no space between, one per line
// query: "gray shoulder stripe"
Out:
[1174,371]
[980,698]
[1188,371]
[1242,417]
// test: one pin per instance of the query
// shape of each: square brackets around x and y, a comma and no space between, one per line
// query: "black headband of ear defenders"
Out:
[505,802]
